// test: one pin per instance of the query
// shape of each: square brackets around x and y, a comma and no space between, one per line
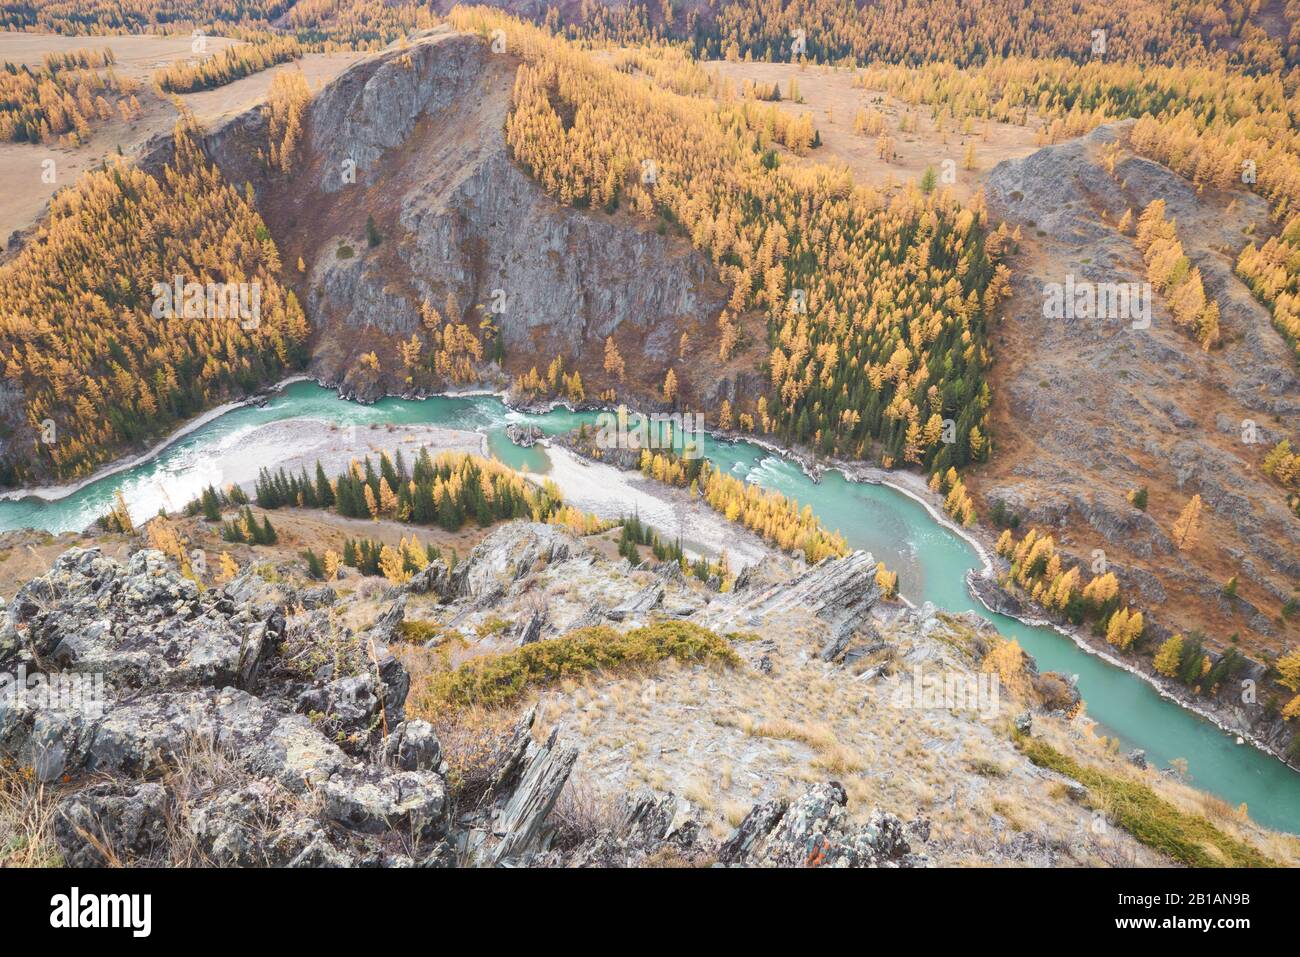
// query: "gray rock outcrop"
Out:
[195,686]
[413,138]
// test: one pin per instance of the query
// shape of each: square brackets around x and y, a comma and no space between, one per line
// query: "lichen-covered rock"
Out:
[651,826]
[816,831]
[510,552]
[107,824]
[345,705]
[640,604]
[433,579]
[141,626]
[412,746]
[252,826]
[813,831]
[530,628]
[195,681]
[408,802]
[838,592]
[321,597]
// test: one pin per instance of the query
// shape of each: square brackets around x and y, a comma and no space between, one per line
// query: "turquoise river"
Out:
[931,559]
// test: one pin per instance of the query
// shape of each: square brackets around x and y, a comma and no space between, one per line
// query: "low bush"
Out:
[497,680]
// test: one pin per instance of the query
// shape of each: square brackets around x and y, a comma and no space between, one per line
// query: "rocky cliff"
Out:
[405,193]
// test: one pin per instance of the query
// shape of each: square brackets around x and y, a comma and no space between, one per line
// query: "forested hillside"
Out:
[81,340]
[874,307]
[874,303]
[919,31]
[359,24]
[1218,127]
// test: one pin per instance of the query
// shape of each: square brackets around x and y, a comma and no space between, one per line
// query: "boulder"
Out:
[408,802]
[815,831]
[110,824]
[412,746]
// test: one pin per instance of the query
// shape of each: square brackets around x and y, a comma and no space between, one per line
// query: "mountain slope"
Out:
[274,721]
[1089,409]
[424,126]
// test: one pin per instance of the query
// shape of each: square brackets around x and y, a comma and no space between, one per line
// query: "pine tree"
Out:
[211,504]
[315,568]
[1169,655]
[670,386]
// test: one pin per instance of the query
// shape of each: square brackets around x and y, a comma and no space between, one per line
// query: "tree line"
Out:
[447,490]
[226,66]
[62,100]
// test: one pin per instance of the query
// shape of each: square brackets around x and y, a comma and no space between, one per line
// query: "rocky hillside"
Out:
[1088,409]
[273,721]
[411,140]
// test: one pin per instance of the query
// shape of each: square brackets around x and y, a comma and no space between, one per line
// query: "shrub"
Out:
[496,680]
[422,632]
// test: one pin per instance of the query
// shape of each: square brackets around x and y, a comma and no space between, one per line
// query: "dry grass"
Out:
[26,819]
[819,737]
[671,858]
[733,812]
[700,792]
[838,759]
[581,813]
[473,744]
[728,738]
[1133,805]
